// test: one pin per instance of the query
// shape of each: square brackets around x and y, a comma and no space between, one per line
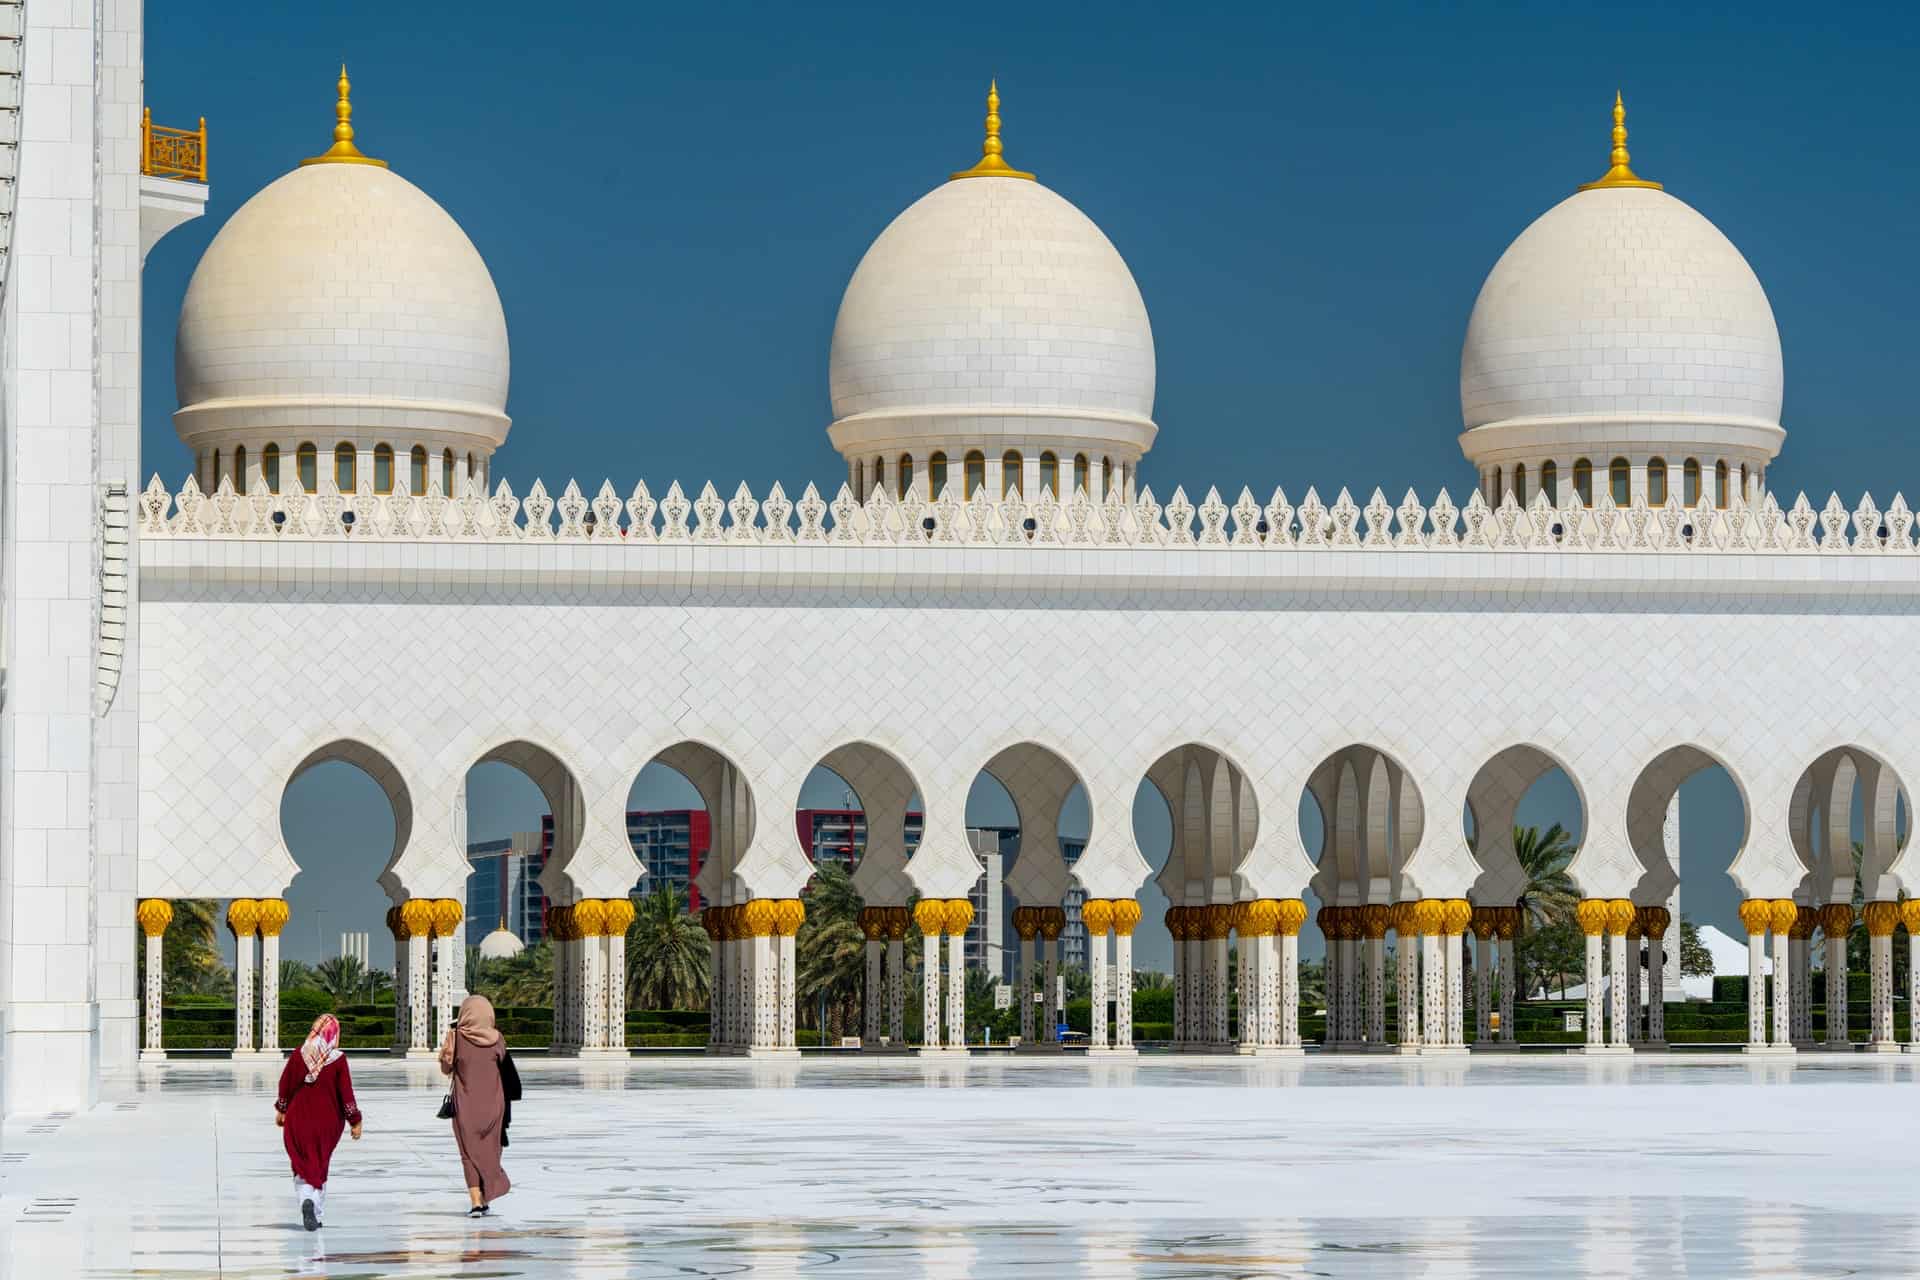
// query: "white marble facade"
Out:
[179,654]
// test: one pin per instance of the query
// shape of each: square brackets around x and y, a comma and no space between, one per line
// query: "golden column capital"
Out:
[447,914]
[1053,920]
[1882,918]
[1375,917]
[1910,915]
[1836,919]
[788,915]
[1755,914]
[620,915]
[1458,912]
[1591,915]
[958,915]
[243,917]
[1024,924]
[416,914]
[931,915]
[757,917]
[273,915]
[1097,914]
[1293,914]
[1619,916]
[153,915]
[1655,921]
[1126,916]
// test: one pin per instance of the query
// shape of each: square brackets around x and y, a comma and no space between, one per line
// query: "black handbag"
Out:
[446,1107]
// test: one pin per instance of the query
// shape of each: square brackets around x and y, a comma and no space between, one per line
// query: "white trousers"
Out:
[303,1192]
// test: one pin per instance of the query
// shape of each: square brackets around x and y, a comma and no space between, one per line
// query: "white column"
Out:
[402,993]
[957,990]
[897,991]
[743,988]
[1267,992]
[1050,981]
[1783,987]
[716,981]
[443,987]
[1509,979]
[1617,985]
[1634,1033]
[1800,964]
[1482,989]
[154,1050]
[243,975]
[270,992]
[1456,990]
[1656,991]
[1097,971]
[1290,990]
[870,1008]
[1247,978]
[1179,986]
[1350,977]
[1596,995]
[1911,918]
[1407,961]
[1880,972]
[787,992]
[419,968]
[1199,1000]
[1836,987]
[1433,988]
[930,1007]
[1217,974]
[593,990]
[616,984]
[1376,959]
[1024,989]
[1123,991]
[1756,975]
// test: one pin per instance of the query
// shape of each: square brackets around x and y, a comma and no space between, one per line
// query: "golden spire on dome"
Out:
[991,165]
[1621,174]
[343,151]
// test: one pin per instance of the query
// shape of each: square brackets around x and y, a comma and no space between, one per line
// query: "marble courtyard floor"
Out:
[1161,1168]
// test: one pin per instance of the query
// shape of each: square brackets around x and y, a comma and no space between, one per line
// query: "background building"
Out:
[504,889]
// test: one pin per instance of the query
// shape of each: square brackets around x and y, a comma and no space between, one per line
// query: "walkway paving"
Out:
[1708,1166]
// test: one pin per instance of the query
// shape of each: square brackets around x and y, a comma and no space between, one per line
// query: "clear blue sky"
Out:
[671,200]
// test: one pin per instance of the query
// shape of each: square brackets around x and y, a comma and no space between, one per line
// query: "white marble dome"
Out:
[501,944]
[992,310]
[1621,302]
[342,299]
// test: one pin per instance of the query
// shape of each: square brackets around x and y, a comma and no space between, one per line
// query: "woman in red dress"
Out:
[315,1103]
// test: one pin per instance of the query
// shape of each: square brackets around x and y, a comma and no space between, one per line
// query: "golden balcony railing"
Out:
[172,153]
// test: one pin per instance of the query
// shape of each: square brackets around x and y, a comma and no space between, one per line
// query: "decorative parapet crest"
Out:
[882,521]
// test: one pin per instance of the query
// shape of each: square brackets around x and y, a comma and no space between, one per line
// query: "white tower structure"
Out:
[992,339]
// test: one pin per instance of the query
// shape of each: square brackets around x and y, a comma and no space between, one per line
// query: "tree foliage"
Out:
[669,959]
[1695,960]
[830,953]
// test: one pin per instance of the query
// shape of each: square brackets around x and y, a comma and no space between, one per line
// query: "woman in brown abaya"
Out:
[471,1055]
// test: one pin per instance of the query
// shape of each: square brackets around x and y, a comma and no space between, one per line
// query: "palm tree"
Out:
[668,957]
[830,951]
[342,977]
[296,975]
[1149,980]
[522,981]
[1550,895]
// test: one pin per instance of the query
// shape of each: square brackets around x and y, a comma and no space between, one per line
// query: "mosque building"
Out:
[1614,594]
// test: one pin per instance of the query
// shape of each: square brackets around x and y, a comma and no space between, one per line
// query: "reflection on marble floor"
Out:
[1158,1169]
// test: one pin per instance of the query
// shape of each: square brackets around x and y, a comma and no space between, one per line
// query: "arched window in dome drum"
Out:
[417,471]
[860,478]
[1049,474]
[240,469]
[1079,472]
[1657,482]
[1499,486]
[937,476]
[471,473]
[880,473]
[973,474]
[1550,482]
[1520,483]
[383,469]
[1012,483]
[213,480]
[1583,481]
[903,474]
[449,482]
[1620,481]
[1743,482]
[270,467]
[343,457]
[1106,476]
[306,460]
[1690,481]
[1720,483]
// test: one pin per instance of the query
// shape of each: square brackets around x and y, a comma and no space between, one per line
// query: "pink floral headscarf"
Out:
[322,1045]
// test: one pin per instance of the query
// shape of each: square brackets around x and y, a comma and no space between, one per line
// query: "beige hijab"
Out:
[475,1023]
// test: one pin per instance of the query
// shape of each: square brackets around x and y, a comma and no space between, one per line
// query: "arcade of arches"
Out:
[1849,821]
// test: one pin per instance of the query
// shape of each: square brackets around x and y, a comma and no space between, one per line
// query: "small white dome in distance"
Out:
[993,315]
[341,303]
[501,944]
[1621,323]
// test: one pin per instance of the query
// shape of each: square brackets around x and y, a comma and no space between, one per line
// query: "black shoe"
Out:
[308,1218]
[478,1211]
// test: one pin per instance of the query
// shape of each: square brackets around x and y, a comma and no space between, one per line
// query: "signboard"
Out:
[1575,1021]
[1003,997]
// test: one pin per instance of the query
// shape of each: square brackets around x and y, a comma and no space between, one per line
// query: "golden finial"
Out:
[991,164]
[343,151]
[1621,174]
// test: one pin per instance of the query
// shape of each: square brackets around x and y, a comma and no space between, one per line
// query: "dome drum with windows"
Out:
[992,339]
[1621,346]
[342,324]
